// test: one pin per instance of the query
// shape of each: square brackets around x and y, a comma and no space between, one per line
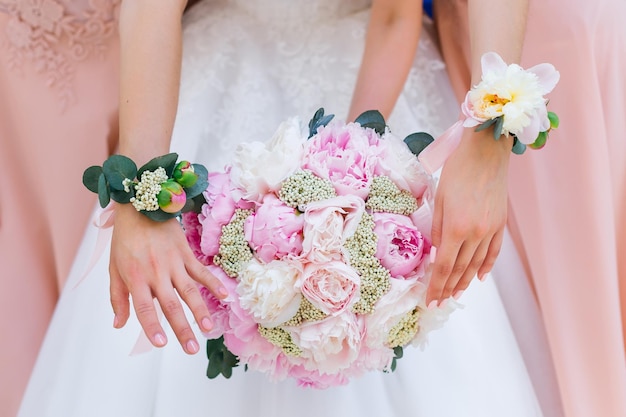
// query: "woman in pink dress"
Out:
[568,201]
[58,114]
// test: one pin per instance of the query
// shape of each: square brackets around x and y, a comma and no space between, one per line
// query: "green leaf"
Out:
[554,120]
[518,147]
[215,365]
[318,120]
[121,197]
[372,119]
[417,142]
[200,185]
[221,360]
[398,351]
[485,125]
[194,204]
[497,129]
[117,168]
[540,142]
[159,215]
[167,162]
[91,176]
[103,191]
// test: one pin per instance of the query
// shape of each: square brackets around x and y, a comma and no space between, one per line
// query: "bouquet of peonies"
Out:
[323,244]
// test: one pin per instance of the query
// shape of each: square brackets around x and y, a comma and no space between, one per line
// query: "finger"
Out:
[119,299]
[201,274]
[492,255]
[437,227]
[188,290]
[175,315]
[472,269]
[147,315]
[461,265]
[442,268]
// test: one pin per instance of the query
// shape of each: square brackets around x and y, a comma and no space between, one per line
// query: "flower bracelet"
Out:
[511,99]
[161,189]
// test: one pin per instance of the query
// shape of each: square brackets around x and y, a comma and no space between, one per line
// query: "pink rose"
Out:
[275,230]
[329,345]
[400,246]
[343,155]
[332,287]
[327,225]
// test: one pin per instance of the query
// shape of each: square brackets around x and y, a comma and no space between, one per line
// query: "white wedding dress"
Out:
[247,66]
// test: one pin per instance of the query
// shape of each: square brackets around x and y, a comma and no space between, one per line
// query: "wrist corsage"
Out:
[511,99]
[161,189]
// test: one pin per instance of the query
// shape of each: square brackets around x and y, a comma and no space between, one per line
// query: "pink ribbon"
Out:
[435,155]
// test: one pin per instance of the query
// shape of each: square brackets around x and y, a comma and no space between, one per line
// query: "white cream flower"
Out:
[259,168]
[515,94]
[268,292]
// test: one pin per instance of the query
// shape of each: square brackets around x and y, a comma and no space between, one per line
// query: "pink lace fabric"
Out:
[53,35]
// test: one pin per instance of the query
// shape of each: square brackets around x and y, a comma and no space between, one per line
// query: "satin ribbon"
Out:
[435,155]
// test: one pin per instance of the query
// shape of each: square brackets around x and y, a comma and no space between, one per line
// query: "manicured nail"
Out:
[433,254]
[458,294]
[443,304]
[160,340]
[116,322]
[207,324]
[482,277]
[222,291]
[432,304]
[192,346]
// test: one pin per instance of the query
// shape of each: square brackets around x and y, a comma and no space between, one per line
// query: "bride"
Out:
[246,66]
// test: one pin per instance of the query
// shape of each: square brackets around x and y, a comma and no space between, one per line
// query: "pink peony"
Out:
[343,154]
[275,230]
[327,225]
[332,287]
[193,232]
[314,379]
[400,246]
[330,345]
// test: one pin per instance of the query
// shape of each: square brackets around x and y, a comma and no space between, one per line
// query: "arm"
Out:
[390,46]
[471,200]
[149,259]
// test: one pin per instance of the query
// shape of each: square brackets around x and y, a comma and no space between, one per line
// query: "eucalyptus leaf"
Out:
[497,129]
[201,185]
[91,176]
[121,197]
[167,162]
[398,351]
[372,119]
[103,191]
[215,365]
[554,119]
[319,120]
[541,140]
[417,142]
[518,147]
[117,168]
[485,125]
[394,363]
[159,215]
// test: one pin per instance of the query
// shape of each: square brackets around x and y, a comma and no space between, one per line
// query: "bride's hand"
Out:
[153,260]
[470,213]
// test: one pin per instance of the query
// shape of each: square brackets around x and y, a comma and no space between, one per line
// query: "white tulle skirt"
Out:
[245,69]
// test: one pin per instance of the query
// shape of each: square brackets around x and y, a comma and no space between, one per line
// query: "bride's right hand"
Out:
[153,260]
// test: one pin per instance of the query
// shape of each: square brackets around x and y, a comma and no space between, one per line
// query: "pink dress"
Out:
[569,199]
[58,100]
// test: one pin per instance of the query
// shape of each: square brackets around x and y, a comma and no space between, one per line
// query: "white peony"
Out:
[259,168]
[268,292]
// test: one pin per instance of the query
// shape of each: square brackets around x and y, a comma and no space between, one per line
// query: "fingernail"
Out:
[222,291]
[433,254]
[192,346]
[160,340]
[432,304]
[443,303]
[116,322]
[482,277]
[206,324]
[458,294]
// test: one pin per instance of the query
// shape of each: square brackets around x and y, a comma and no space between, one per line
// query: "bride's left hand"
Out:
[470,213]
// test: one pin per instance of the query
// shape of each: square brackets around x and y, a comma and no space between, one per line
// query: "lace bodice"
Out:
[300,10]
[52,35]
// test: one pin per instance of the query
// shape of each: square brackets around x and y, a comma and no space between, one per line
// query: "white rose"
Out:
[327,225]
[268,291]
[259,168]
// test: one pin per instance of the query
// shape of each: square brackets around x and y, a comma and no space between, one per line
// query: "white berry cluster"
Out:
[405,330]
[281,338]
[304,187]
[234,250]
[147,189]
[386,197]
